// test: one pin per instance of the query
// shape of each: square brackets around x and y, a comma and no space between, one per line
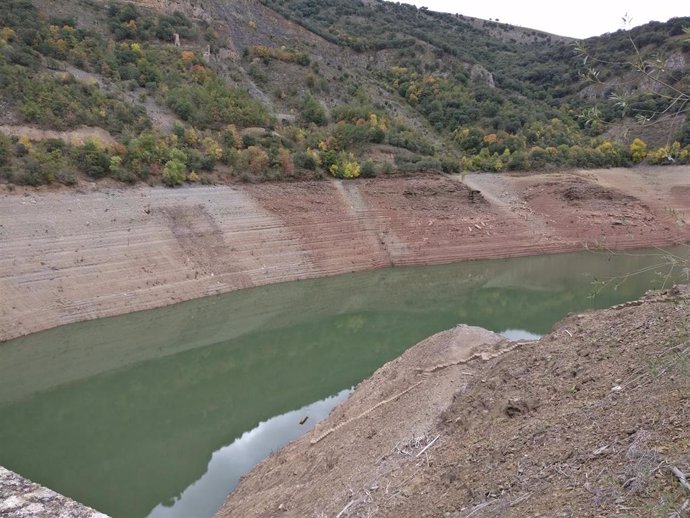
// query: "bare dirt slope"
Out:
[69,255]
[591,420]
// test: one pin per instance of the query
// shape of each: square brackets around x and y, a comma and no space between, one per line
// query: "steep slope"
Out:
[341,88]
[72,256]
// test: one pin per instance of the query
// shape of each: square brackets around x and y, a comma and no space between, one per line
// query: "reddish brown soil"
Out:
[102,250]
[588,421]
[578,208]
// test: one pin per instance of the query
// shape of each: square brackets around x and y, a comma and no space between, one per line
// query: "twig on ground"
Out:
[428,445]
[519,499]
[480,507]
[365,413]
[482,355]
[682,477]
[350,504]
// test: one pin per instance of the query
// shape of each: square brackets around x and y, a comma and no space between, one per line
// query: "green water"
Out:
[125,414]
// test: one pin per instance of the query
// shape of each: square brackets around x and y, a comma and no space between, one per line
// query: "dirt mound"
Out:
[442,195]
[582,191]
[591,420]
[577,207]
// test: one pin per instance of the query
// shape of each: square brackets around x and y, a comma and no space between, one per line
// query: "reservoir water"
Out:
[159,413]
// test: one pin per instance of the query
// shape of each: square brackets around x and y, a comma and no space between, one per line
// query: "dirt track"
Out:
[68,255]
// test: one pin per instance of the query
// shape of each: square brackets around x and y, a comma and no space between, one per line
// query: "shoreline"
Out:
[585,402]
[110,252]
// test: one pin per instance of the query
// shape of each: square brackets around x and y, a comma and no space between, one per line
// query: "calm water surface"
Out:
[159,413]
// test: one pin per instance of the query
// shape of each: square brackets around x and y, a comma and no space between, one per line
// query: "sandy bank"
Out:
[68,256]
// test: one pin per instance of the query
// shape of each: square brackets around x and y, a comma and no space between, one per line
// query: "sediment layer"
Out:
[68,256]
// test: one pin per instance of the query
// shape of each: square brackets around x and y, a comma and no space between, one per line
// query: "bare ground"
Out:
[591,420]
[102,250]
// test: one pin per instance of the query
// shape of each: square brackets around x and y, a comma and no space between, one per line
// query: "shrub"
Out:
[91,160]
[312,111]
[5,146]
[368,169]
[345,166]
[450,165]
[174,172]
[304,160]
[638,150]
[256,159]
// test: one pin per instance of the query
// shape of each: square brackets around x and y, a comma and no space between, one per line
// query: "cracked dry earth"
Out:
[590,420]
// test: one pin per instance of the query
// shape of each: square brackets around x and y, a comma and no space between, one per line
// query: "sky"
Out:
[577,19]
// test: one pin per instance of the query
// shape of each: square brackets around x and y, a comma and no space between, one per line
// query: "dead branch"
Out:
[483,355]
[350,504]
[480,507]
[363,414]
[428,445]
[682,478]
[519,499]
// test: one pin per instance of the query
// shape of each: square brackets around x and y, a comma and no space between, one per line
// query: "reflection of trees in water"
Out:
[178,383]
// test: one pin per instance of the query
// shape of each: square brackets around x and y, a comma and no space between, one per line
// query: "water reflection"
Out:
[230,463]
[136,405]
[519,334]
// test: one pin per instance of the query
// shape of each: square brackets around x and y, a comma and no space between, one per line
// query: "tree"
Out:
[312,111]
[174,172]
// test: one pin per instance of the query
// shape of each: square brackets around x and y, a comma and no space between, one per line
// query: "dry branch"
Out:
[341,513]
[428,445]
[363,414]
[682,477]
[483,355]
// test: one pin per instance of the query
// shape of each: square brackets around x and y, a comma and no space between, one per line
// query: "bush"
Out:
[304,160]
[5,147]
[312,111]
[638,150]
[91,160]
[256,159]
[368,169]
[174,172]
[345,166]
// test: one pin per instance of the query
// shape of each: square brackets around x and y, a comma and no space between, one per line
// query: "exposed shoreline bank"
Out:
[70,256]
[587,420]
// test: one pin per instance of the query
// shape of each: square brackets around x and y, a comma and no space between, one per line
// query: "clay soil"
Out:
[591,420]
[102,250]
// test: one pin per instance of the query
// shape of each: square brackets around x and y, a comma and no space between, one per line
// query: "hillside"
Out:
[211,91]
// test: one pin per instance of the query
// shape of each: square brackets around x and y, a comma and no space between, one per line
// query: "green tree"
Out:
[174,172]
[92,160]
[312,111]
